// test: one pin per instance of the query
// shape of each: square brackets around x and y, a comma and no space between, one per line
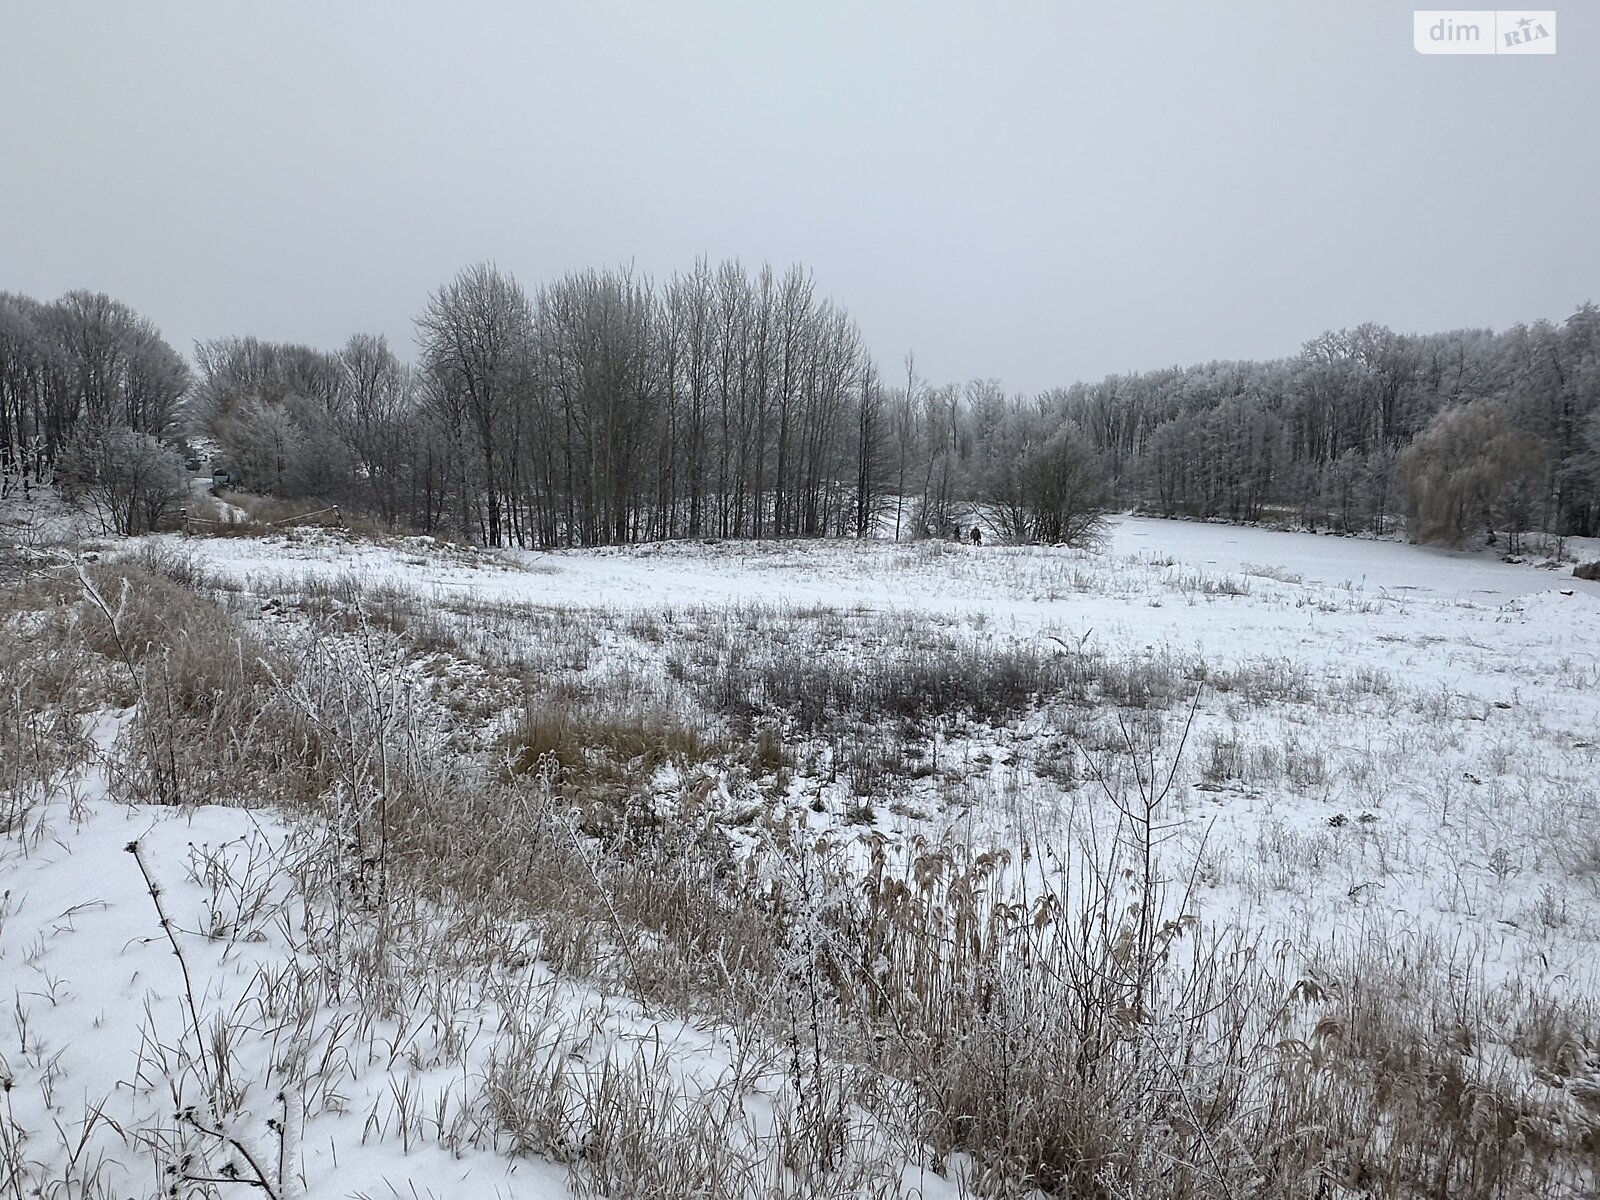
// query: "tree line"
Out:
[607,407]
[1462,433]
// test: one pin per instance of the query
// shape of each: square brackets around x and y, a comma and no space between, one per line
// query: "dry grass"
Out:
[581,750]
[1433,1083]
[245,515]
[44,697]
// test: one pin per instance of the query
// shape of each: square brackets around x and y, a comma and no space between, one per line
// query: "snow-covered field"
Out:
[1454,697]
[1367,744]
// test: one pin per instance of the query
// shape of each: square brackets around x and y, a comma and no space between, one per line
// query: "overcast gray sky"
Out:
[1037,192]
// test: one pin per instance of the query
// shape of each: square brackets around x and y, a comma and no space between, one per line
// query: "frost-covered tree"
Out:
[273,411]
[83,358]
[130,480]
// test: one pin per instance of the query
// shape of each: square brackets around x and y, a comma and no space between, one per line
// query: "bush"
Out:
[131,481]
[919,682]
[1051,491]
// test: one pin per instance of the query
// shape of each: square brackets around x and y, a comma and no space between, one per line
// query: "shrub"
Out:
[919,683]
[131,481]
[1050,489]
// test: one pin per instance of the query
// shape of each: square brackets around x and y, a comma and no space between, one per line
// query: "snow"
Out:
[908,575]
[101,1060]
[1437,781]
[101,1054]
[1466,657]
[1462,620]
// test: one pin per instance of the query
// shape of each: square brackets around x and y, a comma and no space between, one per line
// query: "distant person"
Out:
[977,536]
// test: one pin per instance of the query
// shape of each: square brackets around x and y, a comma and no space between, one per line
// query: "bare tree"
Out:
[380,422]
[872,453]
[476,337]
[1065,490]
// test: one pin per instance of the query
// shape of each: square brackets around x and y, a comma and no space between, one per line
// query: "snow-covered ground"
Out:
[914,574]
[1388,742]
[155,959]
[1451,695]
